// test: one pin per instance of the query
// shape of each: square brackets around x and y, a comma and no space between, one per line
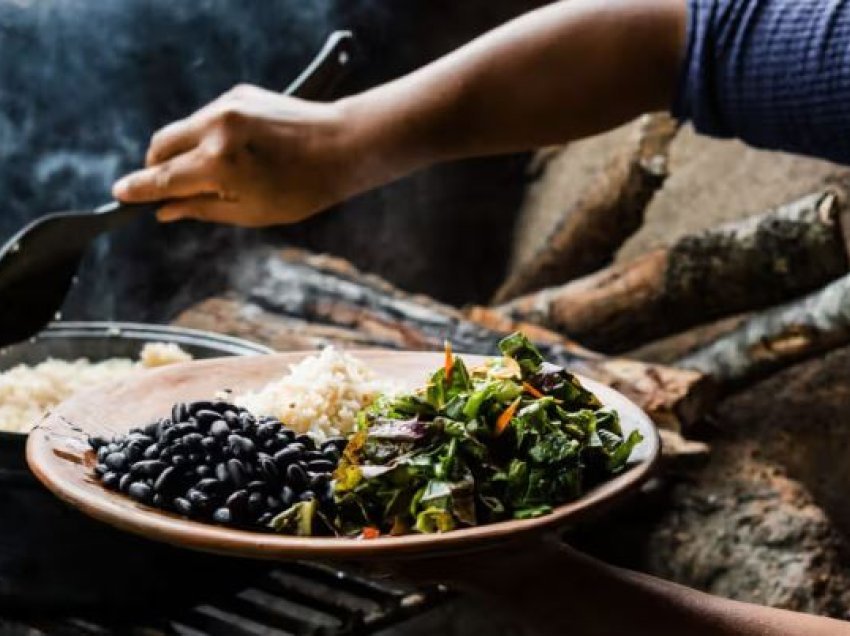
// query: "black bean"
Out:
[158,500]
[256,486]
[133,452]
[238,502]
[166,480]
[134,431]
[206,417]
[307,440]
[236,471]
[196,407]
[241,447]
[231,417]
[124,482]
[203,471]
[209,486]
[101,469]
[221,406]
[179,412]
[270,445]
[102,452]
[116,461]
[318,481]
[195,458]
[321,466]
[179,460]
[297,446]
[164,425]
[166,454]
[332,454]
[151,430]
[338,443]
[220,429]
[246,421]
[286,457]
[179,448]
[169,435]
[140,438]
[152,452]
[267,467]
[110,480]
[311,455]
[307,495]
[287,496]
[285,436]
[266,431]
[97,442]
[296,477]
[256,503]
[113,446]
[223,515]
[209,443]
[221,472]
[273,504]
[183,506]
[198,499]
[148,468]
[184,428]
[193,441]
[265,518]
[140,491]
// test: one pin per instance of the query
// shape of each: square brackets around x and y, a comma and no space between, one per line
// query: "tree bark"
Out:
[295,300]
[736,267]
[777,338]
[608,212]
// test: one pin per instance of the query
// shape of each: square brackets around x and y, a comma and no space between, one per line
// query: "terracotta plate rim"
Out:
[166,527]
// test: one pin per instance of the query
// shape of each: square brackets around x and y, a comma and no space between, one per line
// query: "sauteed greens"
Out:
[507,440]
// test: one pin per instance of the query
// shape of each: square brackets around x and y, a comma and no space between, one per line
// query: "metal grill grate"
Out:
[293,599]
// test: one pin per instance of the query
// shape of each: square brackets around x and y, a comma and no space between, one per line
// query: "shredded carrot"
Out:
[506,417]
[449,363]
[371,532]
[532,390]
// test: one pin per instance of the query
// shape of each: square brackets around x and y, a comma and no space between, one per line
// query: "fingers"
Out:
[207,208]
[172,140]
[189,174]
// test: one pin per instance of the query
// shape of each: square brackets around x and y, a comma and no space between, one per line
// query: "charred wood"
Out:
[295,300]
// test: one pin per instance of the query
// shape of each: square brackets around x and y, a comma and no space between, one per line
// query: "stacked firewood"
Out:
[746,520]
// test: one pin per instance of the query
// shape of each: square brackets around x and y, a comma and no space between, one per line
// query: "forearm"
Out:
[565,71]
[561,592]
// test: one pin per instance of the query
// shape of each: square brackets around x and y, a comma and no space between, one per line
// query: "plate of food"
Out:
[346,455]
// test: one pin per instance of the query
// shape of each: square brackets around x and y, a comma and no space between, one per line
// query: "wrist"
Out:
[380,140]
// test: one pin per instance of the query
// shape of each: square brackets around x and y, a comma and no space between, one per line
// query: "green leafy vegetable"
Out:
[512,439]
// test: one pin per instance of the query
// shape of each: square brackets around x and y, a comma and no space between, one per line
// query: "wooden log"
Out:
[736,267]
[777,338]
[608,212]
[295,300]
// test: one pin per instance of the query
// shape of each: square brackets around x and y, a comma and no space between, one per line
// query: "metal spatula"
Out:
[39,264]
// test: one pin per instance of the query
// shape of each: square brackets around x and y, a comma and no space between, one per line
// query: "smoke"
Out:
[84,83]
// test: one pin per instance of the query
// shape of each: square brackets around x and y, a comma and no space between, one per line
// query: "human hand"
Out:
[251,158]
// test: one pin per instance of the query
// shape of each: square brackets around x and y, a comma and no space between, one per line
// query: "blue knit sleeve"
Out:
[775,73]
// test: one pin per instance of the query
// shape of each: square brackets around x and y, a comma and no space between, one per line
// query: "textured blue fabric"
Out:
[775,73]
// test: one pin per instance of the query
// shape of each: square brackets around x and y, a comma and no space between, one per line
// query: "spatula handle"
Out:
[317,81]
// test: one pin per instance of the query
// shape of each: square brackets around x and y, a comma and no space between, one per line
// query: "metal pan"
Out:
[52,558]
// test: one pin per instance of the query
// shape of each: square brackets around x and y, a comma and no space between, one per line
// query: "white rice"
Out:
[27,392]
[320,395]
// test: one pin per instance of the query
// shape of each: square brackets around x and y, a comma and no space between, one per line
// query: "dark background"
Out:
[83,84]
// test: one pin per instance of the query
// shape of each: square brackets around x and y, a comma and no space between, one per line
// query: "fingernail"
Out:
[120,187]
